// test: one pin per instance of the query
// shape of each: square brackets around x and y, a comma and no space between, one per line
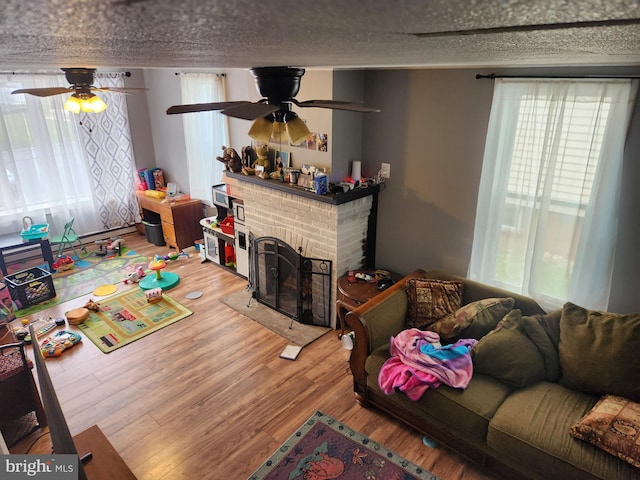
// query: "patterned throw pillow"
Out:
[430,300]
[474,320]
[613,425]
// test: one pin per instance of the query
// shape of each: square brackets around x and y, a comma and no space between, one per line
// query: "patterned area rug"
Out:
[326,448]
[89,273]
[127,317]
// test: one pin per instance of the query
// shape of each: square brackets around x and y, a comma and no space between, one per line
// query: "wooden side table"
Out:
[353,292]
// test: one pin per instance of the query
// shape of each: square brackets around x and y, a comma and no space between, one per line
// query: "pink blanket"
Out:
[419,362]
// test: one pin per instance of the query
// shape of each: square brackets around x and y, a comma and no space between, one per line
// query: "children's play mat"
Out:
[127,317]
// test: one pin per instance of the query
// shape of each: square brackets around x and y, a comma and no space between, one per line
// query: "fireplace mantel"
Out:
[334,199]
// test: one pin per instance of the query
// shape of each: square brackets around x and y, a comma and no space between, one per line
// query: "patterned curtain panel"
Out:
[107,139]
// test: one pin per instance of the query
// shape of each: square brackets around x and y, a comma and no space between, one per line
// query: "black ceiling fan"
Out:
[278,87]
[81,89]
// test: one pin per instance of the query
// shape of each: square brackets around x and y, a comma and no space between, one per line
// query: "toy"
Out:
[231,159]
[40,327]
[153,295]
[136,276]
[110,247]
[63,263]
[166,281]
[77,315]
[170,256]
[248,156]
[278,173]
[92,305]
[56,344]
[261,167]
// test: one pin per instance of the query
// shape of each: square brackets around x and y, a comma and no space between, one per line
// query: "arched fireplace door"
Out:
[294,285]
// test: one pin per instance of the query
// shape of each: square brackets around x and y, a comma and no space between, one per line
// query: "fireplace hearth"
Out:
[290,283]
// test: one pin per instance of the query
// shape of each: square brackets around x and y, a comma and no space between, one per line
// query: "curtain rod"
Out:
[55,72]
[492,76]
[191,73]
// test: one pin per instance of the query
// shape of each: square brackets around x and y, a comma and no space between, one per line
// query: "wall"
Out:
[168,133]
[432,130]
[138,109]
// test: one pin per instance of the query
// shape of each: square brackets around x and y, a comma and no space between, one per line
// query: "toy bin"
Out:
[227,225]
[30,287]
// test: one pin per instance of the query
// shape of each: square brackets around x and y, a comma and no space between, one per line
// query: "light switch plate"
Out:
[385,170]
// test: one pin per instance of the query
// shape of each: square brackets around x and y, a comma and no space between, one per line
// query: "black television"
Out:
[61,438]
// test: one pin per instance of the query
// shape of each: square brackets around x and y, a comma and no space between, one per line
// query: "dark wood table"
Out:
[14,241]
[353,292]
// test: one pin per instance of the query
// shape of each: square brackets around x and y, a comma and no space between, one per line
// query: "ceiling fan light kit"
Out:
[297,130]
[84,102]
[261,130]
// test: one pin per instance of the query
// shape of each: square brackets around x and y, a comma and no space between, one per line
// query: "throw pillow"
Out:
[541,329]
[600,351]
[613,425]
[473,320]
[508,354]
[430,300]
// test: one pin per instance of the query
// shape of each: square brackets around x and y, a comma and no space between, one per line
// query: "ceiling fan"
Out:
[272,114]
[82,97]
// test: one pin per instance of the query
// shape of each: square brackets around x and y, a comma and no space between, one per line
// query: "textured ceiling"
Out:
[308,33]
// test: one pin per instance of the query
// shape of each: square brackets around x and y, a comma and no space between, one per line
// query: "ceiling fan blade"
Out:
[44,92]
[335,105]
[118,89]
[203,107]
[250,111]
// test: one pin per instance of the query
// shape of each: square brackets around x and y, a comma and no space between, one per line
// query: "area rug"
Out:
[89,273]
[299,333]
[323,447]
[127,317]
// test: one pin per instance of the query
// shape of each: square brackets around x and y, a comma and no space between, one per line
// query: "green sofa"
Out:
[514,431]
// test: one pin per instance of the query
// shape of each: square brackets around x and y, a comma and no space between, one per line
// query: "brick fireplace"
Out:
[338,228]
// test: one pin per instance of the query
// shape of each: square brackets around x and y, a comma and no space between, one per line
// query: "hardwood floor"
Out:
[208,397]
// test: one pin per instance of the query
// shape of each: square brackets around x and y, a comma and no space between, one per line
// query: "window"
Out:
[205,132]
[55,165]
[547,204]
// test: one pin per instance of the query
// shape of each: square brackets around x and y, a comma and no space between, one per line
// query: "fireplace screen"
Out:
[284,280]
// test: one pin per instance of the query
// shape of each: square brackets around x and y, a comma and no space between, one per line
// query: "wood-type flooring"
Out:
[208,397]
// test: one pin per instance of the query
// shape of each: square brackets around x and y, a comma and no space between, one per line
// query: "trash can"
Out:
[153,231]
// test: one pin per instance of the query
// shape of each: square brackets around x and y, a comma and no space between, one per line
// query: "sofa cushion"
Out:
[600,351]
[473,320]
[613,425]
[508,354]
[532,426]
[430,300]
[464,413]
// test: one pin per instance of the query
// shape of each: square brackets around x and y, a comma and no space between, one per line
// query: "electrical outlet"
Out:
[385,170]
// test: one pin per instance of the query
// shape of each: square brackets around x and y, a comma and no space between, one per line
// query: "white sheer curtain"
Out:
[44,171]
[55,165]
[205,132]
[546,217]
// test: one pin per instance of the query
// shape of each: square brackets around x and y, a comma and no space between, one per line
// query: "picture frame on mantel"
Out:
[282,156]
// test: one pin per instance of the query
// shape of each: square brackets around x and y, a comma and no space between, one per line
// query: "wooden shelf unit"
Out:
[180,220]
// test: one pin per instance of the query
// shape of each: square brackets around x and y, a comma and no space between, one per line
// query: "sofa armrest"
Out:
[374,322]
